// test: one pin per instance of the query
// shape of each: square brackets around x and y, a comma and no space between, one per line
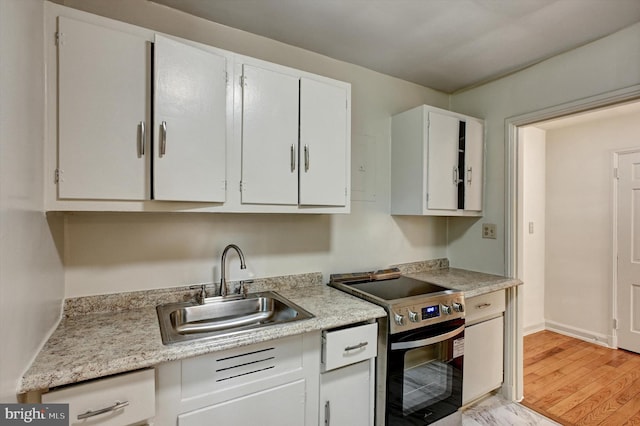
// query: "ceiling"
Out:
[446,45]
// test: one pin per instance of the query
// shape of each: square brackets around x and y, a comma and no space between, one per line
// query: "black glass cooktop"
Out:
[397,288]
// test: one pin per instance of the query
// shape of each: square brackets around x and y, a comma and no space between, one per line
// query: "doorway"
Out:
[572,304]
[515,230]
[566,220]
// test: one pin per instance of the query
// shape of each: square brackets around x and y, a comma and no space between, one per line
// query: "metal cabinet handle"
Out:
[306,158]
[143,138]
[455,176]
[327,413]
[354,347]
[293,158]
[483,305]
[469,175]
[163,139]
[118,405]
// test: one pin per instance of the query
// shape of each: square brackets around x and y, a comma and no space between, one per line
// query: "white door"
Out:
[628,233]
[323,144]
[473,151]
[104,92]
[345,396]
[190,98]
[284,405]
[442,164]
[269,137]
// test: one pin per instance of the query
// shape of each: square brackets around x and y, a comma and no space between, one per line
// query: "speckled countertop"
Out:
[109,334]
[470,282]
[89,344]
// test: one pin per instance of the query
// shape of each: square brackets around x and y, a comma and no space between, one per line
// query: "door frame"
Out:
[615,156]
[513,373]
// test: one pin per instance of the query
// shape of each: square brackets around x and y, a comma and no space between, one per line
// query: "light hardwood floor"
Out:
[578,383]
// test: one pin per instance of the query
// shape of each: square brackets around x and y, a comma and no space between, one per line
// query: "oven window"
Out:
[427,377]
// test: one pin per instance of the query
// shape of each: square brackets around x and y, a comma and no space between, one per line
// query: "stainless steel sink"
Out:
[220,316]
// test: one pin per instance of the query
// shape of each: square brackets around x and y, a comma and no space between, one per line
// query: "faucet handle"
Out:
[203,294]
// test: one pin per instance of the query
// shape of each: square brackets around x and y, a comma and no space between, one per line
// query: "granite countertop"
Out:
[470,282]
[89,344]
[103,335]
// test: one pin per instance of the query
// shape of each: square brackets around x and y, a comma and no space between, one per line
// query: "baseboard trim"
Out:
[578,333]
[533,328]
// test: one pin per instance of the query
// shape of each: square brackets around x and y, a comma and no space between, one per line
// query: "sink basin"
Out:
[225,316]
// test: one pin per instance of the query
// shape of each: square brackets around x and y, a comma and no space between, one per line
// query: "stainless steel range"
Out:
[421,347]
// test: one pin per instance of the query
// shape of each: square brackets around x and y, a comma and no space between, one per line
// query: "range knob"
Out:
[446,309]
[398,318]
[413,316]
[458,307]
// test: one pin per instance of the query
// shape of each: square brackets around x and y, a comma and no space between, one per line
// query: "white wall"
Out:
[120,252]
[579,265]
[605,65]
[531,181]
[31,276]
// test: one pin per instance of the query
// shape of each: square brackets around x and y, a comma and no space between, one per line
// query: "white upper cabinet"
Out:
[436,163]
[442,164]
[142,121]
[295,139]
[190,120]
[104,103]
[269,136]
[323,143]
[104,93]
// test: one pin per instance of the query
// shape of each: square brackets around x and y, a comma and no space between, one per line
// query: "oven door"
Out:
[424,374]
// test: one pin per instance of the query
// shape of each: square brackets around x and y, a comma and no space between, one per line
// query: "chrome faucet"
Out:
[223,278]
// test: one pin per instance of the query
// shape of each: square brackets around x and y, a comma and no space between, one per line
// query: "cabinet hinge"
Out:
[615,173]
[226,77]
[56,176]
[240,186]
[615,324]
[243,80]
[59,36]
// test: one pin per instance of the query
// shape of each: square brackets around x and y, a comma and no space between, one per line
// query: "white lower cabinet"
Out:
[125,399]
[345,396]
[484,345]
[280,406]
[273,383]
[347,381]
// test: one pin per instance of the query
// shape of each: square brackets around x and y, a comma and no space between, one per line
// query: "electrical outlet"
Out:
[489,230]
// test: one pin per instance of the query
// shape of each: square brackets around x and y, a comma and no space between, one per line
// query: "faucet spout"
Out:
[223,277]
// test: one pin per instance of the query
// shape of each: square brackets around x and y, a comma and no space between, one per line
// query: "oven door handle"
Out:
[428,341]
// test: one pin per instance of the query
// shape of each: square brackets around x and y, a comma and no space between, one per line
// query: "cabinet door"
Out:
[104,88]
[442,165]
[280,406]
[190,119]
[323,143]
[483,358]
[269,137]
[473,178]
[345,396]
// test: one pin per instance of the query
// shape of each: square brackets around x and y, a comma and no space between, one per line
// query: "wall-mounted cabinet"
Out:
[140,121]
[436,163]
[294,139]
[104,113]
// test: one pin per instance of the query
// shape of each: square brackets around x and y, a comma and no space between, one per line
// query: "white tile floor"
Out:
[496,411]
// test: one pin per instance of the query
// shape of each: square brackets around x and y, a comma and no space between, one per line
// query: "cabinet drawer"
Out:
[137,389]
[485,306]
[348,346]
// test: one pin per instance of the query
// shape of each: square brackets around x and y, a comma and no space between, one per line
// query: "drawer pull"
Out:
[118,405]
[354,347]
[483,305]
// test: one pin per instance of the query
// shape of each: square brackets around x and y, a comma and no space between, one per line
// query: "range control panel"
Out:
[428,311]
